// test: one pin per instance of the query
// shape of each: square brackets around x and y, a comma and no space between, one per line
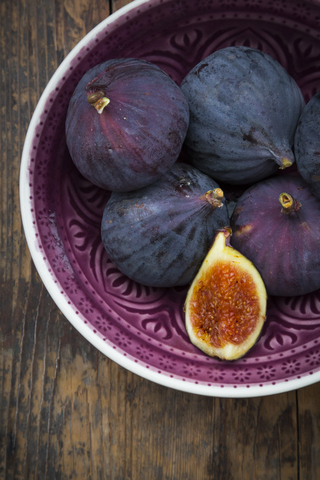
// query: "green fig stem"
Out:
[98,100]
[285,163]
[214,197]
[288,203]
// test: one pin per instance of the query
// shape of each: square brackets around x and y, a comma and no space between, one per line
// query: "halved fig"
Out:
[225,308]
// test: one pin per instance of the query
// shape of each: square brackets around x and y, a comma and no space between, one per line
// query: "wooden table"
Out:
[67,411]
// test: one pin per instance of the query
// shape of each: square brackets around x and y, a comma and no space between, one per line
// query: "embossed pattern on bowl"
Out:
[143,328]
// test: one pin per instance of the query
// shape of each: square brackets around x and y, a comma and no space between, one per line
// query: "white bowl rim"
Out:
[25,191]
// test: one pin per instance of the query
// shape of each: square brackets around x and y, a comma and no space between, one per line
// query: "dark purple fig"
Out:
[307,144]
[160,234]
[276,225]
[244,109]
[126,124]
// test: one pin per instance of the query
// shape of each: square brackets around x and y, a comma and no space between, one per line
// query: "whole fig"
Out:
[244,109]
[159,235]
[126,123]
[276,225]
[307,144]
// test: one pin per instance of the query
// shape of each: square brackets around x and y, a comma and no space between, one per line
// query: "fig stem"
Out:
[227,232]
[288,203]
[285,163]
[214,197]
[98,100]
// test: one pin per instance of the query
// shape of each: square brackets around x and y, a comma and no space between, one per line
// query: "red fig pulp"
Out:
[226,303]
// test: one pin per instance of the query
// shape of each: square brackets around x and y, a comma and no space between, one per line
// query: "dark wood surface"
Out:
[68,412]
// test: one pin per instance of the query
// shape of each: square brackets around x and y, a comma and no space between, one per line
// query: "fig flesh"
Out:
[126,123]
[160,234]
[244,109]
[307,144]
[225,308]
[276,224]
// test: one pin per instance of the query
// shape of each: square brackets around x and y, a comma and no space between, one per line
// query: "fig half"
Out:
[225,308]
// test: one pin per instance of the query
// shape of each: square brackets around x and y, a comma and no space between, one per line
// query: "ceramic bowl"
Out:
[143,328]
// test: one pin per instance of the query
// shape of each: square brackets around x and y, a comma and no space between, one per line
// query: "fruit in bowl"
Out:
[244,109]
[126,123]
[276,224]
[159,235]
[178,35]
[307,144]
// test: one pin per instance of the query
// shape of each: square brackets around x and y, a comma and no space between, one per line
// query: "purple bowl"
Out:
[142,328]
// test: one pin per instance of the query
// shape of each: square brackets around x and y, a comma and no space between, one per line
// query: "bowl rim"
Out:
[25,191]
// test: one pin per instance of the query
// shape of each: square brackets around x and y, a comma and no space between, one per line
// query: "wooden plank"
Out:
[66,411]
[31,49]
[117,4]
[309,432]
[195,437]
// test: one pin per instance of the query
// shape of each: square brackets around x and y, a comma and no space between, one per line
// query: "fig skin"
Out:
[307,144]
[138,132]
[244,109]
[160,234]
[225,308]
[283,245]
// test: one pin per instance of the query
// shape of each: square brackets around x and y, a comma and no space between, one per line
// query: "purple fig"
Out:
[159,235]
[126,123]
[276,224]
[307,144]
[244,109]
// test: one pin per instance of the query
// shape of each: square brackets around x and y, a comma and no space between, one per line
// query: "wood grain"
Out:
[117,4]
[68,412]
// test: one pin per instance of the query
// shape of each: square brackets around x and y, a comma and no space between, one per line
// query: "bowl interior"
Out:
[143,328]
